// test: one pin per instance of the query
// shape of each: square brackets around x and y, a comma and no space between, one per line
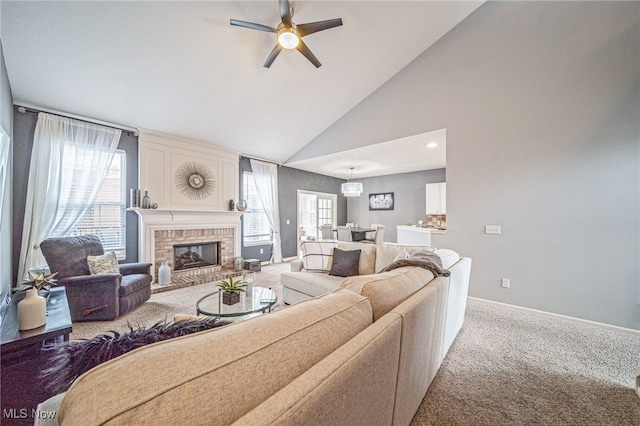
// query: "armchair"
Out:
[95,297]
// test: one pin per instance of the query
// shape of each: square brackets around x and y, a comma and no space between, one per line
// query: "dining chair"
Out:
[371,236]
[344,233]
[379,238]
[326,231]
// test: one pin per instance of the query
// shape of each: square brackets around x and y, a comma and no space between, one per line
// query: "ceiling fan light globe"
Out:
[288,39]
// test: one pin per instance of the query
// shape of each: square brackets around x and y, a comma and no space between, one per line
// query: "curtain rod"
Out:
[260,159]
[25,109]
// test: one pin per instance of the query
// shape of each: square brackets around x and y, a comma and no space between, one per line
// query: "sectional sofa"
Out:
[362,354]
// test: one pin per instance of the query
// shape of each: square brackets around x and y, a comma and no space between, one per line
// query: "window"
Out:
[106,218]
[257,229]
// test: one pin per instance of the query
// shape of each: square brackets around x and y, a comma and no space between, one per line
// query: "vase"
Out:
[146,200]
[164,274]
[32,310]
[230,298]
[238,264]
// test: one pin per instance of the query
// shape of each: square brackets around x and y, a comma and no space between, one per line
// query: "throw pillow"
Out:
[316,255]
[105,264]
[346,263]
[68,361]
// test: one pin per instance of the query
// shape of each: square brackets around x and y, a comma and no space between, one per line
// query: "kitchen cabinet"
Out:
[436,196]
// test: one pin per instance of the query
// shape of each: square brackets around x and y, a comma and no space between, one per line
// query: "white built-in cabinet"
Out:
[437,198]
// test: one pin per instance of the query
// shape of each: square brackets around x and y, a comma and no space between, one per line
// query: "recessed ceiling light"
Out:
[432,145]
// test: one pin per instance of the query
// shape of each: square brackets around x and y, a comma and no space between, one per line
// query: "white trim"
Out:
[151,220]
[289,259]
[565,317]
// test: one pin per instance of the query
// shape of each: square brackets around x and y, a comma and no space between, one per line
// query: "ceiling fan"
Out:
[289,34]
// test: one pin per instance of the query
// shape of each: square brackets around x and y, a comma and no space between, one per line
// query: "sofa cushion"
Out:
[388,289]
[346,263]
[387,253]
[310,284]
[317,255]
[216,376]
[103,264]
[367,256]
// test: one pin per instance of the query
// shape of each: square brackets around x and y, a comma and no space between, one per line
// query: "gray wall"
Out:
[409,200]
[289,182]
[6,120]
[24,128]
[541,105]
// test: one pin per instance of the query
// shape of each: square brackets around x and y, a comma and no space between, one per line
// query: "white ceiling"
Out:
[404,155]
[180,68]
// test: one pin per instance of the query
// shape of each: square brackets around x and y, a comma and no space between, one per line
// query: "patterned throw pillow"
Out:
[317,255]
[105,264]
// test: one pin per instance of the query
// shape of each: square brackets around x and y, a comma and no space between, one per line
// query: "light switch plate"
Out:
[492,229]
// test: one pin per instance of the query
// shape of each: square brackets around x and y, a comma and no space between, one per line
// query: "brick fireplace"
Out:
[160,231]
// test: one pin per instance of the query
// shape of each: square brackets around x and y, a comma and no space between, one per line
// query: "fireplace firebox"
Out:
[196,255]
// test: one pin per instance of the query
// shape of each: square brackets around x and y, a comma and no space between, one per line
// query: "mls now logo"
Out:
[23,413]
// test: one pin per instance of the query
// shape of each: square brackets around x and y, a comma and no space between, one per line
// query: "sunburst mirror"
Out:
[195,180]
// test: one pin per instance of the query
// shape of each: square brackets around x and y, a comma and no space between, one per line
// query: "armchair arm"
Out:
[109,280]
[135,268]
[93,297]
[296,265]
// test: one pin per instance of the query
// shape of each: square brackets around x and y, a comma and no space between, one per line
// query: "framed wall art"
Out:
[381,201]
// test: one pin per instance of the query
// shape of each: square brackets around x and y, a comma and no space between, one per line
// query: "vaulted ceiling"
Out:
[180,68]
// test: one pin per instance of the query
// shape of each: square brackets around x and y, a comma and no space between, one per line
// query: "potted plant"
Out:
[231,290]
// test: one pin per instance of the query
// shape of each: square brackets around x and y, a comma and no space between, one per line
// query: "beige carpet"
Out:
[506,367]
[510,367]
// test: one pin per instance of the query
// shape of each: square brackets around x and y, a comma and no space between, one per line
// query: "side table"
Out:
[21,357]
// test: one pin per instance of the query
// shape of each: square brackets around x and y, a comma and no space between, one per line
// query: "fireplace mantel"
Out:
[151,220]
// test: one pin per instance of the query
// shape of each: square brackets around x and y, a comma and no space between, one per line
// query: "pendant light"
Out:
[351,189]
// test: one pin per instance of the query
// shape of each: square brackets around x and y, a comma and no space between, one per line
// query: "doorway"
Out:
[314,210]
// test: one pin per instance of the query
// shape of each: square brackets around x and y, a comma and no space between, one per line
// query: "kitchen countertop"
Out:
[418,229]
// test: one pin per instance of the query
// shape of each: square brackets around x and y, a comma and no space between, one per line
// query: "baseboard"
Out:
[565,317]
[290,259]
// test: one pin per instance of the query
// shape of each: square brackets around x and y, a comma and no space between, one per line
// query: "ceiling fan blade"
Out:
[285,12]
[314,27]
[253,26]
[307,53]
[272,56]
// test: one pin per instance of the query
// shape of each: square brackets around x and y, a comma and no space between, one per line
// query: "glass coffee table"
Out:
[255,300]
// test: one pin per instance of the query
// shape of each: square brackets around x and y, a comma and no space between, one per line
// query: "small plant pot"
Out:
[229,298]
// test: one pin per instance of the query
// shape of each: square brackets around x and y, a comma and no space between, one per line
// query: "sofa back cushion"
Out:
[317,255]
[216,376]
[367,256]
[387,290]
[387,253]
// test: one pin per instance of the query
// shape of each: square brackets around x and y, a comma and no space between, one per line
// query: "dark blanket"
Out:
[422,259]
[67,361]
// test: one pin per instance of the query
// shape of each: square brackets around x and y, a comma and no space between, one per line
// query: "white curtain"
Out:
[69,162]
[266,178]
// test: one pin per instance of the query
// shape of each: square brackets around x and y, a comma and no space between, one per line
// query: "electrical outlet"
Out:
[506,283]
[492,229]
[261,251]
[287,221]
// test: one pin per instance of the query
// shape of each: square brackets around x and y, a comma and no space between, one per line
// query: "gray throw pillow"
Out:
[346,263]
